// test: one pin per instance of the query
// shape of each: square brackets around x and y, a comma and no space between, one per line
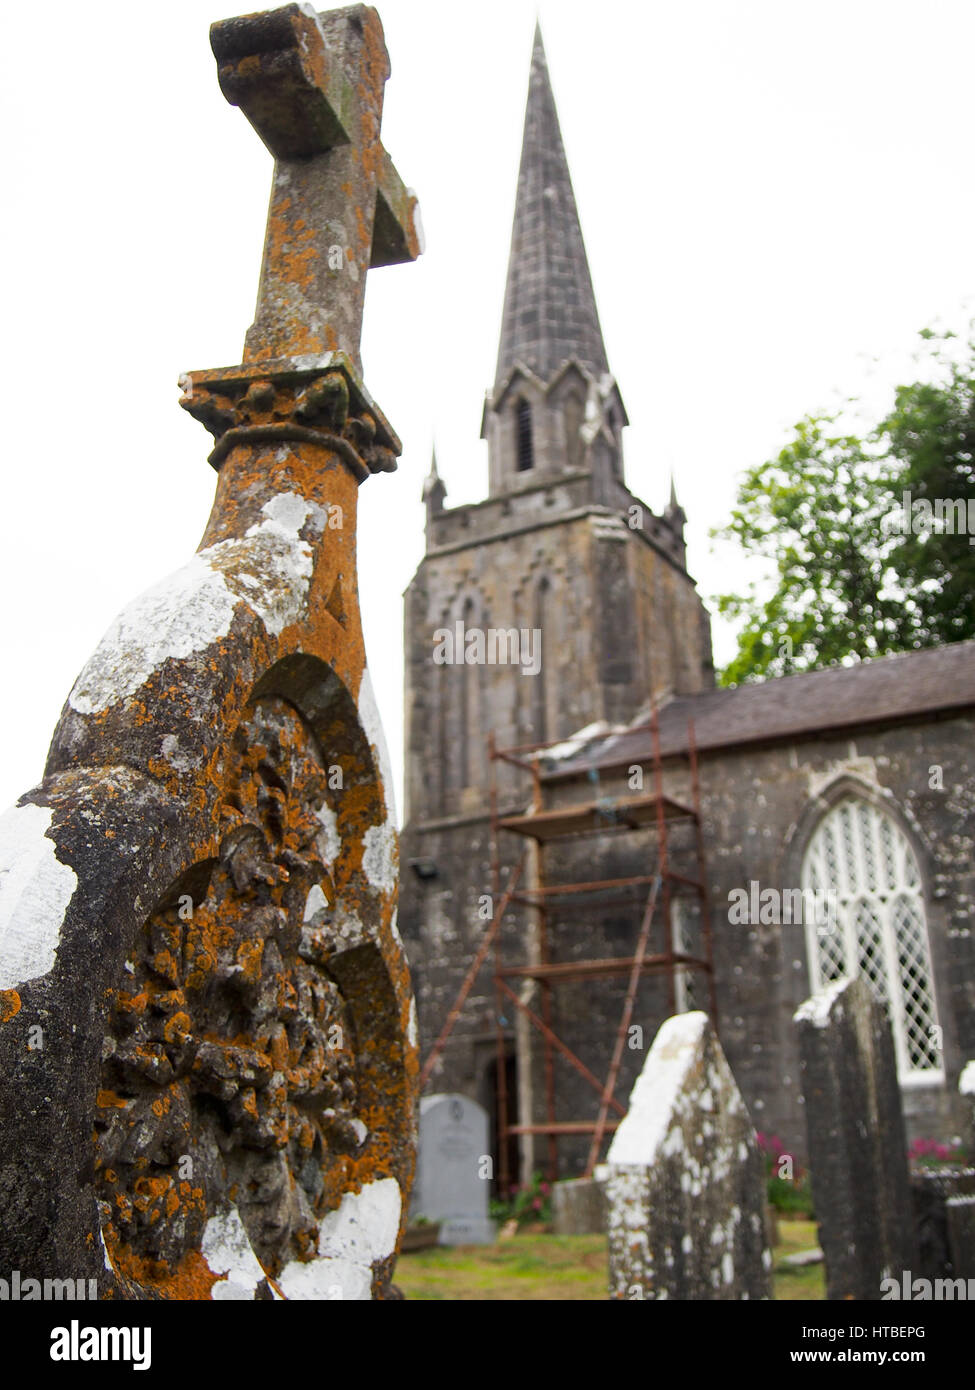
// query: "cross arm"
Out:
[397,234]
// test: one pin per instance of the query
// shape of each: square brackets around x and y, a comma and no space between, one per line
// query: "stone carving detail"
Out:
[229,1061]
[325,404]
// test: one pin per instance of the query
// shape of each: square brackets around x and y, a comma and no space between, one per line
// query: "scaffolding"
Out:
[543,826]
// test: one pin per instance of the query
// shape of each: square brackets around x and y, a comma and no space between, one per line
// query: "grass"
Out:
[807,1282]
[548,1268]
[527,1267]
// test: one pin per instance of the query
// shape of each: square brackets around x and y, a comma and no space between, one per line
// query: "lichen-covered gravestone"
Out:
[454,1170]
[207,1036]
[684,1178]
[857,1147]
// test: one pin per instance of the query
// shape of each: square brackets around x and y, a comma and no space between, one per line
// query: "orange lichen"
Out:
[106,1100]
[9,1004]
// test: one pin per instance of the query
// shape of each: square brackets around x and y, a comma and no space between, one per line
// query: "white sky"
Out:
[773,195]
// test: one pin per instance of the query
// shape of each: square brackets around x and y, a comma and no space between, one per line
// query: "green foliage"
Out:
[825,513]
[531,1202]
[791,1198]
[788,1188]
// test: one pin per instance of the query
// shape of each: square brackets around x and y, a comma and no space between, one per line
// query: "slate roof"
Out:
[887,689]
[549,307]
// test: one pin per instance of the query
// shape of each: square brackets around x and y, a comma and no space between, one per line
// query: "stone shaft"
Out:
[207,1035]
[857,1146]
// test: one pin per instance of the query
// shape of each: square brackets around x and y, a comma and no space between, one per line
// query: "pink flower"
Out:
[537,1204]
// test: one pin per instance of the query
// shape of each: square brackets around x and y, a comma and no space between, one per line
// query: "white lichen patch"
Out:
[35,890]
[394,927]
[365,1225]
[966,1082]
[346,930]
[412,1028]
[182,762]
[315,903]
[269,569]
[227,1250]
[179,616]
[373,726]
[323,1279]
[655,1099]
[329,841]
[379,857]
[362,1230]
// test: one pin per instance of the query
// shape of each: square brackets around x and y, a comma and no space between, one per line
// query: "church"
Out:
[596,835]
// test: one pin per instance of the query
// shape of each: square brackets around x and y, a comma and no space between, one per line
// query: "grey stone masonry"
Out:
[684,1179]
[856,1140]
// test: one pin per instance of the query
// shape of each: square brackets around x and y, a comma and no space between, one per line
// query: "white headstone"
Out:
[455,1170]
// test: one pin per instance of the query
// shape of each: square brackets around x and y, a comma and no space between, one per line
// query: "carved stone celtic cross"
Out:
[207,1036]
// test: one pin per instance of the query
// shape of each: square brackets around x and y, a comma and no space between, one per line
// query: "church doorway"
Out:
[492,1104]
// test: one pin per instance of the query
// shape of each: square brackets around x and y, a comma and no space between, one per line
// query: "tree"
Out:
[868,537]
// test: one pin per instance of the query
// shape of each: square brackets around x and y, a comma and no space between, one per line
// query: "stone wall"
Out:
[759,806]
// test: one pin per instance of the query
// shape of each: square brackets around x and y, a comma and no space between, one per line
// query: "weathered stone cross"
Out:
[312,87]
[207,1035]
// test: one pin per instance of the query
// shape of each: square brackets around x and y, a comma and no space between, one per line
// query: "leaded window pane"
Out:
[859,853]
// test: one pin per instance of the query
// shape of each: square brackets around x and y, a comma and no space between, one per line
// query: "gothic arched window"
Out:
[859,853]
[526,448]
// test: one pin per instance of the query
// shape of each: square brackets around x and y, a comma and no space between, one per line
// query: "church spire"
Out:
[549,306]
[434,489]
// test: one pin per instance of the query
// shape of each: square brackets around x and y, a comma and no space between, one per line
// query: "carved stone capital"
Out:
[317,400]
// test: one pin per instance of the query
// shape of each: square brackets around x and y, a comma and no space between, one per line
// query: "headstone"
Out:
[960,1213]
[455,1170]
[579,1207]
[931,1191]
[857,1146]
[207,1036]
[684,1178]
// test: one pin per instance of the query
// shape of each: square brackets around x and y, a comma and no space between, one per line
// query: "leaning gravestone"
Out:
[454,1170]
[960,1214]
[207,1038]
[857,1147]
[684,1178]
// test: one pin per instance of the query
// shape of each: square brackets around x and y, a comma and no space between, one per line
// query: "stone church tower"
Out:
[559,547]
